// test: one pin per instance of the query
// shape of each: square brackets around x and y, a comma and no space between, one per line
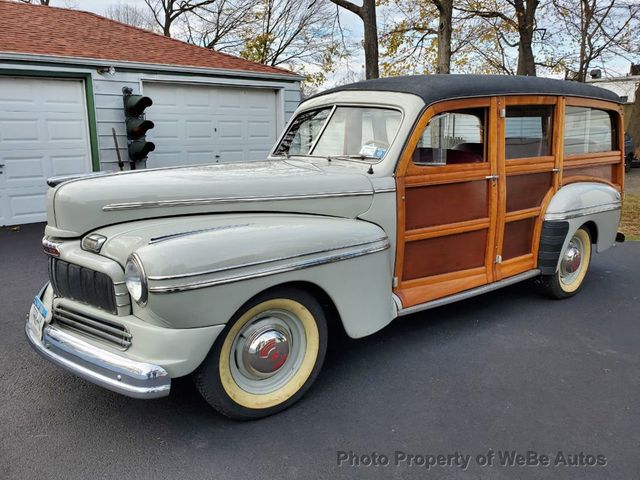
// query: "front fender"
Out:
[202,276]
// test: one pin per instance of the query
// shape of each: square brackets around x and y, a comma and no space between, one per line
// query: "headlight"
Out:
[136,279]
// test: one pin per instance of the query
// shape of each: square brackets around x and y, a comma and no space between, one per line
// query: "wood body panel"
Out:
[445,254]
[527,191]
[483,229]
[518,238]
[447,203]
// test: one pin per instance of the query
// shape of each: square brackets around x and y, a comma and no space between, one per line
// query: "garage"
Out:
[63,74]
[196,124]
[43,133]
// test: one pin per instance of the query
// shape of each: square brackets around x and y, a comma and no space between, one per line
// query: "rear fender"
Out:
[592,203]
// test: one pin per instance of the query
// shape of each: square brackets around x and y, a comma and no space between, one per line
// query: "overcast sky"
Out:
[351,69]
[350,22]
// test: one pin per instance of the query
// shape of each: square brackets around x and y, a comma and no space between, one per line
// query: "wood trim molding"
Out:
[585,178]
[444,230]
[530,100]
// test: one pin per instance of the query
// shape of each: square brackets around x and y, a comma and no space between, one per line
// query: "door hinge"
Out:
[503,113]
[498,258]
[395,282]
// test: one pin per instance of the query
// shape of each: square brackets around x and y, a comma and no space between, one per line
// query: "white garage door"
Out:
[43,133]
[197,124]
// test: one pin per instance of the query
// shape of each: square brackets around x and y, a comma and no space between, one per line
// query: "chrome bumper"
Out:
[114,372]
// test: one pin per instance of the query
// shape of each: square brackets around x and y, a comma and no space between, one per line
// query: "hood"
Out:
[81,205]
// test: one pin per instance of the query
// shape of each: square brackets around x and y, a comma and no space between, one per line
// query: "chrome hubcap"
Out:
[266,350]
[571,261]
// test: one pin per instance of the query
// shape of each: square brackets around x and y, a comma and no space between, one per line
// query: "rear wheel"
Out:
[574,264]
[267,357]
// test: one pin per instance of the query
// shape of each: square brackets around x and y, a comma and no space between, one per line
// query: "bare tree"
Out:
[426,36]
[414,30]
[219,26]
[166,12]
[366,12]
[522,18]
[602,28]
[288,32]
[445,30]
[130,15]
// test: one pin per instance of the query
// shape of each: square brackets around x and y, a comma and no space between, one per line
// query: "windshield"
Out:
[351,132]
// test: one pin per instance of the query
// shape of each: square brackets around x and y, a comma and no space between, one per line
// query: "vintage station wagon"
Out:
[381,198]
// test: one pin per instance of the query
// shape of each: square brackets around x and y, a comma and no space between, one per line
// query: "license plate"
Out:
[38,316]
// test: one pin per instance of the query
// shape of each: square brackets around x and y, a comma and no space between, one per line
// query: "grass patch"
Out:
[630,223]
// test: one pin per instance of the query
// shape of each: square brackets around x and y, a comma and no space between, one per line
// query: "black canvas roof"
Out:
[434,88]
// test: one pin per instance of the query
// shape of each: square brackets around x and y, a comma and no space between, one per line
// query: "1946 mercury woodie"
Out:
[381,198]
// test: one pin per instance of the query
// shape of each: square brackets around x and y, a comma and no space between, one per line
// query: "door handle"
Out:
[492,177]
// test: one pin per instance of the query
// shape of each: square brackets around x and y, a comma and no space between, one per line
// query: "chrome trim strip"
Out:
[108,370]
[385,190]
[223,200]
[273,271]
[41,292]
[48,244]
[469,293]
[324,127]
[262,262]
[580,212]
[171,236]
[119,283]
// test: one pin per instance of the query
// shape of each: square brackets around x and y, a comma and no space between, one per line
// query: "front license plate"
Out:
[38,316]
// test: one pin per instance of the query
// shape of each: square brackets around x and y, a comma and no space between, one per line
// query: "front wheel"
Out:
[267,357]
[574,264]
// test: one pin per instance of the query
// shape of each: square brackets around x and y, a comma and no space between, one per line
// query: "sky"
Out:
[352,69]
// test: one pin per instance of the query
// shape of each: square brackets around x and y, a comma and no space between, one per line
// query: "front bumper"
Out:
[106,369]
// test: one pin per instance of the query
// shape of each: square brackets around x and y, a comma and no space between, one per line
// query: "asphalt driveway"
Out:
[509,371]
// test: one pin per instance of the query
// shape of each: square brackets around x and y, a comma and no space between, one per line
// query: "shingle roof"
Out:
[40,30]
[433,88]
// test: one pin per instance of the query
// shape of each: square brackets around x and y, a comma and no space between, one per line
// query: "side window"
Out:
[452,138]
[528,131]
[588,130]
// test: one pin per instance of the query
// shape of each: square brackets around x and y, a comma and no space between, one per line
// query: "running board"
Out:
[469,293]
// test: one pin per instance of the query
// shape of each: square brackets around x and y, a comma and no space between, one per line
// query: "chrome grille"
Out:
[82,284]
[107,330]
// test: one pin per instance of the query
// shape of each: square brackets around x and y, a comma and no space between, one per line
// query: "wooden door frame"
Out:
[521,166]
[408,174]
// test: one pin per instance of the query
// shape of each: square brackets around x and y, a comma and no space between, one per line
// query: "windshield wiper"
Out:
[352,157]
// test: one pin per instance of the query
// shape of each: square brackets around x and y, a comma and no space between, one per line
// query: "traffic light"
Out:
[137,126]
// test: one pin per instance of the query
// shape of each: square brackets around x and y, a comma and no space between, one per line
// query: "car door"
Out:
[528,166]
[447,194]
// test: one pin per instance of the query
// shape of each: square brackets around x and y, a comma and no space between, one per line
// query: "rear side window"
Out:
[528,131]
[588,130]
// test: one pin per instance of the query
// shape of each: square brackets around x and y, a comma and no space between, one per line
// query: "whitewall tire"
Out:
[267,357]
